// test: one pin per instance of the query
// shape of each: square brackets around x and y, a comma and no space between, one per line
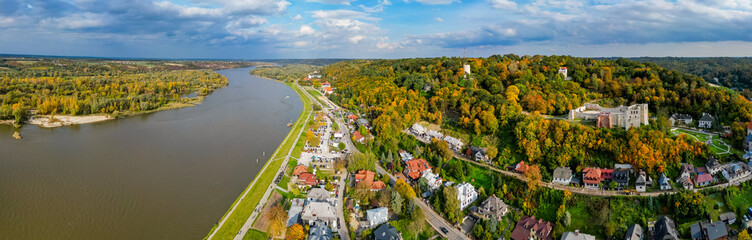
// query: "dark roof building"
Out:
[529,227]
[634,232]
[621,176]
[386,232]
[665,229]
[708,231]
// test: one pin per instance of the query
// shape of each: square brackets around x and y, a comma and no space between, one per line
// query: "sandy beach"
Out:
[63,120]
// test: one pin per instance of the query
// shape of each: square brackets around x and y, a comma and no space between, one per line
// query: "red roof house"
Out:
[531,228]
[377,185]
[519,167]
[414,168]
[703,180]
[358,137]
[607,174]
[592,177]
[299,169]
[307,179]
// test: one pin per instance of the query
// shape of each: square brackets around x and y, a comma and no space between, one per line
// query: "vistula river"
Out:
[165,175]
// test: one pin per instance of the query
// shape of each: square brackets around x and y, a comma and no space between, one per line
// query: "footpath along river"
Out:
[165,175]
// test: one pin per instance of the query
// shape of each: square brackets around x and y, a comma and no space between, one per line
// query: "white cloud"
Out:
[355,39]
[435,2]
[259,7]
[301,43]
[188,12]
[306,30]
[245,26]
[438,19]
[503,4]
[7,21]
[77,21]
[334,2]
[297,17]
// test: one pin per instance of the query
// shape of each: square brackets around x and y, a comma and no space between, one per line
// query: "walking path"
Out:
[710,143]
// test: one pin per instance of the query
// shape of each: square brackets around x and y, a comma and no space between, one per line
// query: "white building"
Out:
[622,116]
[563,71]
[434,181]
[377,216]
[706,121]
[454,144]
[319,211]
[466,194]
[466,68]
[562,175]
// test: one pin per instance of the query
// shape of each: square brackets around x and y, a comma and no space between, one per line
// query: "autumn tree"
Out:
[404,189]
[451,204]
[533,177]
[277,219]
[295,232]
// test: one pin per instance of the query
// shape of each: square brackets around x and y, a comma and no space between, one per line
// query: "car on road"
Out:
[444,230]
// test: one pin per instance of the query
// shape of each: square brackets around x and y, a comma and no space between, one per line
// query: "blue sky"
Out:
[255,29]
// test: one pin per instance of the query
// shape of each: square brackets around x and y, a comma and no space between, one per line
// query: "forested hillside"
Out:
[285,73]
[80,87]
[492,100]
[730,72]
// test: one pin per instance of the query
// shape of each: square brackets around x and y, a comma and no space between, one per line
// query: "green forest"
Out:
[81,87]
[728,72]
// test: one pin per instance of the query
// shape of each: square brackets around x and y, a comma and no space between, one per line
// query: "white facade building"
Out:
[466,194]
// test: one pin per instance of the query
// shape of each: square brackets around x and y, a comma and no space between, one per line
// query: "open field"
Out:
[718,147]
[243,209]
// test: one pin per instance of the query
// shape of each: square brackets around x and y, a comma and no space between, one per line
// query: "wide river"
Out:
[165,175]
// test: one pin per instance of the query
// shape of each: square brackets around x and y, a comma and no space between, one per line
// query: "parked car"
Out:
[444,230]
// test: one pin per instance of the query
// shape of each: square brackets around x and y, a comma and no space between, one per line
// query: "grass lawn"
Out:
[401,226]
[713,199]
[255,234]
[283,183]
[582,220]
[234,222]
[316,94]
[742,202]
[479,176]
[697,136]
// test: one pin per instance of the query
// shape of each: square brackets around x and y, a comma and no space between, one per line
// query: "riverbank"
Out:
[49,121]
[232,222]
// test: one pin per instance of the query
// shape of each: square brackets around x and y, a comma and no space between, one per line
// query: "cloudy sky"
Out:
[253,29]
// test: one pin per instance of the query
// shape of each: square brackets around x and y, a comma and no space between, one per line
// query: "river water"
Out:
[165,175]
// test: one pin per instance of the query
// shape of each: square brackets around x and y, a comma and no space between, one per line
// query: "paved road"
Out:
[252,218]
[585,191]
[342,227]
[433,219]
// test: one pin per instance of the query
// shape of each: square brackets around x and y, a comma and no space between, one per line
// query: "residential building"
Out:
[686,170]
[307,179]
[641,183]
[663,181]
[418,130]
[431,134]
[686,182]
[328,90]
[708,231]
[293,214]
[326,84]
[576,235]
[520,167]
[299,169]
[622,116]
[477,154]
[386,232]
[466,194]
[735,171]
[664,229]
[624,165]
[367,177]
[749,128]
[678,118]
[377,216]
[318,195]
[358,137]
[748,143]
[530,228]
[706,121]
[454,144]
[320,231]
[415,168]
[434,181]
[713,166]
[405,155]
[703,180]
[562,175]
[607,174]
[728,218]
[319,211]
[361,122]
[592,177]
[621,176]
[634,233]
[493,207]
